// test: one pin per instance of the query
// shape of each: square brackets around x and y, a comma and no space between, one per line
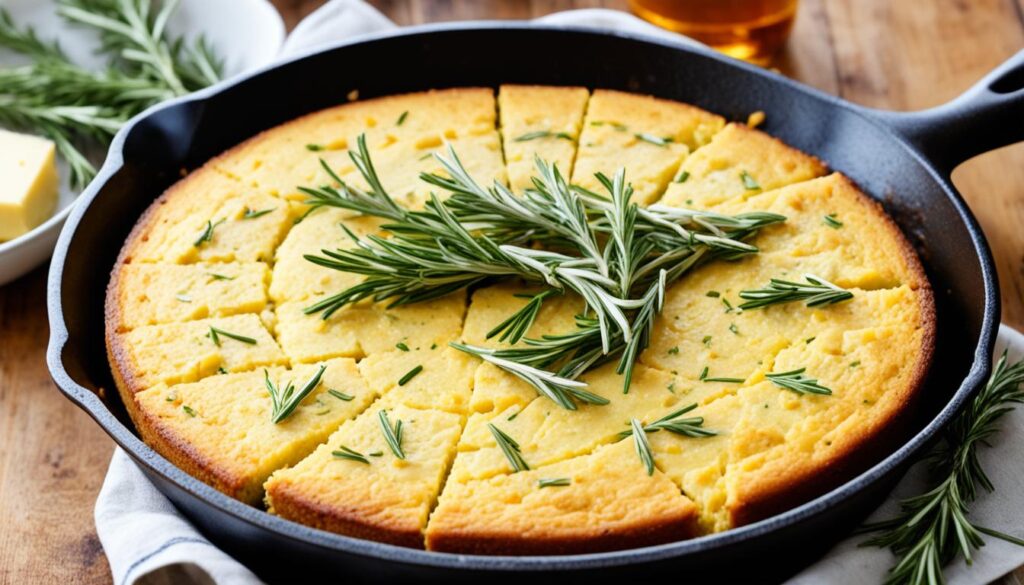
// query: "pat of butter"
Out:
[28,183]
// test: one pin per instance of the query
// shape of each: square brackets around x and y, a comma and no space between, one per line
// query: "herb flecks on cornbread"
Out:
[225,250]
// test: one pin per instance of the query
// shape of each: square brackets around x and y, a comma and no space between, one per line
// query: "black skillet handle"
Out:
[988,116]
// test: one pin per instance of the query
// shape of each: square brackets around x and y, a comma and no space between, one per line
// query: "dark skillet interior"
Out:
[185,134]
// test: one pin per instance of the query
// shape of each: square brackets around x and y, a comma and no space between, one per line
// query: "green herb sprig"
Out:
[285,401]
[671,422]
[510,448]
[816,291]
[392,434]
[933,529]
[796,381]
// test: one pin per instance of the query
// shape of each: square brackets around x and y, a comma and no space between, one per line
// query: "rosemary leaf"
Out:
[816,291]
[796,381]
[392,435]
[344,452]
[410,375]
[216,333]
[510,448]
[554,482]
[285,401]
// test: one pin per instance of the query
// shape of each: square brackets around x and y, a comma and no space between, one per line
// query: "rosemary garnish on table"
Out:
[933,529]
[619,257]
[816,291]
[285,401]
[76,107]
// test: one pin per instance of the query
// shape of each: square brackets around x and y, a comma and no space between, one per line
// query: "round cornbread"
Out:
[205,307]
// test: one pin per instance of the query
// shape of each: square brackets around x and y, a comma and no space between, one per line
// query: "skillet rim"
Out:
[157,465]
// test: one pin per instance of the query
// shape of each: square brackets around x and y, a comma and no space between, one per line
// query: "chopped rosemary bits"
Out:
[724,380]
[513,416]
[184,298]
[401,119]
[682,177]
[173,396]
[816,291]
[796,381]
[189,410]
[706,341]
[544,134]
[376,453]
[221,370]
[216,276]
[713,294]
[854,363]
[207,235]
[728,305]
[284,402]
[748,181]
[253,214]
[402,346]
[643,448]
[314,147]
[809,340]
[510,448]
[433,346]
[673,350]
[216,333]
[832,222]
[344,452]
[410,375]
[340,395]
[735,330]
[553,482]
[426,156]
[617,125]
[392,435]
[655,140]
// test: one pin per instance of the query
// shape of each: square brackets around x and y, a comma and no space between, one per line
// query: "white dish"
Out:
[245,33]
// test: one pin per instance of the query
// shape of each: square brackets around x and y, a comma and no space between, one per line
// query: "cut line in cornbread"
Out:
[539,121]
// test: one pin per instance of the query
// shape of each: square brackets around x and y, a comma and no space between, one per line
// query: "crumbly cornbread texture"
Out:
[209,298]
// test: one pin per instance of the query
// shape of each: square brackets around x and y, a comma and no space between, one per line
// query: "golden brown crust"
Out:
[652,532]
[295,505]
[775,494]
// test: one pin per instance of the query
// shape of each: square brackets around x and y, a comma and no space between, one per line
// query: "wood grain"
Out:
[893,55]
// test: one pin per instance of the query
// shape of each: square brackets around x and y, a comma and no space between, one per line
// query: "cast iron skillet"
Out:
[902,159]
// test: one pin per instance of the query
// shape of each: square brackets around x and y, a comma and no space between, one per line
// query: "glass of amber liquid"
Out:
[752,30]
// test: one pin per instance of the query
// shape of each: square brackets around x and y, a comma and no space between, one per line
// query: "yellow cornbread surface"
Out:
[174,353]
[647,136]
[539,121]
[28,183]
[401,132]
[456,490]
[716,172]
[242,225]
[610,503]
[149,294]
[387,499]
[364,329]
[221,427]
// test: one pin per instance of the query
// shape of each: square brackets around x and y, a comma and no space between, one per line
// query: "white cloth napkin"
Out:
[148,542]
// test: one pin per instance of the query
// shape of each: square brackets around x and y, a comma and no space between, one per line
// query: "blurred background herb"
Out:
[79,108]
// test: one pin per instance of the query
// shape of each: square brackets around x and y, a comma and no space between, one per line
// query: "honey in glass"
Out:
[752,30]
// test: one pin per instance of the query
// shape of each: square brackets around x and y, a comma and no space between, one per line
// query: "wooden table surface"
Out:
[894,55]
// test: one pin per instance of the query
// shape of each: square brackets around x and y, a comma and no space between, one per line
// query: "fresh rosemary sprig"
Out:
[510,448]
[79,108]
[617,256]
[543,134]
[206,236]
[816,291]
[216,333]
[932,529]
[554,482]
[392,434]
[687,427]
[284,402]
[796,381]
[350,454]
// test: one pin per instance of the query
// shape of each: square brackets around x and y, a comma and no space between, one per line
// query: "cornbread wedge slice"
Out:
[149,294]
[220,429]
[364,329]
[739,161]
[380,497]
[207,217]
[296,278]
[548,433]
[539,121]
[401,133]
[493,304]
[647,136]
[433,377]
[175,353]
[610,503]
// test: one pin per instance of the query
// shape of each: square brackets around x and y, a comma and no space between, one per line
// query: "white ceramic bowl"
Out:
[245,33]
